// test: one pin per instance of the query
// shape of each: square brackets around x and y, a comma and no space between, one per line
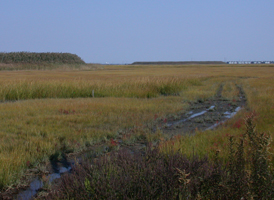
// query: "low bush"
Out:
[135,176]
[29,57]
[152,175]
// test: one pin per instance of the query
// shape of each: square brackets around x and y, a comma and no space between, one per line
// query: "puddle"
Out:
[197,114]
[190,112]
[39,183]
[231,114]
[34,186]
[211,108]
[228,115]
[183,120]
[64,170]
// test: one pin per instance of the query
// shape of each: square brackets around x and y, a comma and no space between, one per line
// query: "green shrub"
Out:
[30,57]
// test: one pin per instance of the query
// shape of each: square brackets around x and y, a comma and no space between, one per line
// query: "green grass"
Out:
[139,88]
[33,130]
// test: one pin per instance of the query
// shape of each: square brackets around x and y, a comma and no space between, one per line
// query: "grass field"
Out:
[43,110]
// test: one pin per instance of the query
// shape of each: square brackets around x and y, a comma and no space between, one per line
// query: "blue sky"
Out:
[124,31]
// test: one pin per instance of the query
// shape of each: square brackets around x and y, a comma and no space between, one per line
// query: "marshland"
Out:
[115,123]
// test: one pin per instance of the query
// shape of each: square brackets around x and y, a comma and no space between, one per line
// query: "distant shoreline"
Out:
[177,62]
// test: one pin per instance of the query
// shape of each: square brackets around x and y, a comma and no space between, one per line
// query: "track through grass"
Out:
[37,126]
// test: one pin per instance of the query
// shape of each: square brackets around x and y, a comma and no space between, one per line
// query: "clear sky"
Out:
[124,31]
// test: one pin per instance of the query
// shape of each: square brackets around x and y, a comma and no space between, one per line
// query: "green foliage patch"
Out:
[30,57]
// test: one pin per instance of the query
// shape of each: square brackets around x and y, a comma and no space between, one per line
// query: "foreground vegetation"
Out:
[153,175]
[54,110]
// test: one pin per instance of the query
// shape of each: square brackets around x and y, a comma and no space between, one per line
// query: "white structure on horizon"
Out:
[250,62]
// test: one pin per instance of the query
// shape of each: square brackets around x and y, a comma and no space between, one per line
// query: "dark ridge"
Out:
[32,57]
[177,62]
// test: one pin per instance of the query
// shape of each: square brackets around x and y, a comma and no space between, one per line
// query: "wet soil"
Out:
[205,114]
[201,115]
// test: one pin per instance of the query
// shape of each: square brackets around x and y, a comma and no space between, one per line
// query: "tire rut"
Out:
[204,115]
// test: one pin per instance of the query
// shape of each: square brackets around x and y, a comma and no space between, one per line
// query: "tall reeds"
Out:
[140,88]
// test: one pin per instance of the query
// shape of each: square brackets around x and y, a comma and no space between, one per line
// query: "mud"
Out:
[205,115]
[202,115]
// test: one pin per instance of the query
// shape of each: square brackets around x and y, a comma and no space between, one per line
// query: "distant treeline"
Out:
[30,57]
[178,63]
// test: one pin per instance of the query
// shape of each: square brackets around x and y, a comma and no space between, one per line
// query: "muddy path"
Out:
[201,115]
[204,115]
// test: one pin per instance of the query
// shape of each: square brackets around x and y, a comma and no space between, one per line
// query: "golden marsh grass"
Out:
[55,107]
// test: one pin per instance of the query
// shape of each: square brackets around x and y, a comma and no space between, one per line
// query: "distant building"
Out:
[250,62]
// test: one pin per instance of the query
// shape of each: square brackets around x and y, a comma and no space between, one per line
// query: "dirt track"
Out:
[205,115]
[202,115]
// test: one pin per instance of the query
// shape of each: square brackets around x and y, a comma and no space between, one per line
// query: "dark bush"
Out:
[29,57]
[123,175]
